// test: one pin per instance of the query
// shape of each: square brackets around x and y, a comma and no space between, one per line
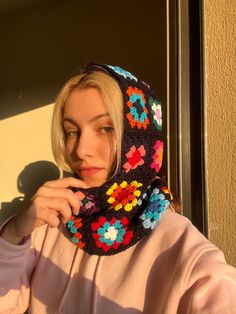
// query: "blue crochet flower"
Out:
[156,206]
[138,115]
[122,72]
[71,226]
[74,224]
[135,96]
[111,233]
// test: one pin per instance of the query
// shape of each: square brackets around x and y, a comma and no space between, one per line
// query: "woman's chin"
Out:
[93,182]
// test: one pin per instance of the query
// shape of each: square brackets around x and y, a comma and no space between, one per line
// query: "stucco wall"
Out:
[220,91]
[28,160]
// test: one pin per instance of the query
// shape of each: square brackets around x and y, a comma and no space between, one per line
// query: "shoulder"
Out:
[176,237]
[176,228]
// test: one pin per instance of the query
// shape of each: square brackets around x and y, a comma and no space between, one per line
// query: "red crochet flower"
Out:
[111,234]
[158,156]
[124,195]
[134,158]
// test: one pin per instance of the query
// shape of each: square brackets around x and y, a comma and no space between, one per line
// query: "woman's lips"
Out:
[88,171]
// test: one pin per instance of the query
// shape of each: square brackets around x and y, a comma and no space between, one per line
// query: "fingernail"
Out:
[76,212]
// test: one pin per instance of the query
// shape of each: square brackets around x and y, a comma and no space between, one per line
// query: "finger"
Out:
[66,183]
[51,208]
[62,208]
[54,221]
[39,216]
[81,196]
[50,218]
[64,194]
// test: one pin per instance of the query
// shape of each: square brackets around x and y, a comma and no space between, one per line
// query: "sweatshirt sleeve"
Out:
[17,265]
[211,285]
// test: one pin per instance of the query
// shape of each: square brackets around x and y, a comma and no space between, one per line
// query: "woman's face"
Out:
[90,138]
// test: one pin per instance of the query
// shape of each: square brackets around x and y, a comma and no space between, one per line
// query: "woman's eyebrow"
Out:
[99,116]
[70,120]
[93,119]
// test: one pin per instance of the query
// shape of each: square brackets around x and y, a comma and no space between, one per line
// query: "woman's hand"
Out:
[52,203]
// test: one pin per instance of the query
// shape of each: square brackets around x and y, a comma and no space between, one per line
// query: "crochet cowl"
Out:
[127,207]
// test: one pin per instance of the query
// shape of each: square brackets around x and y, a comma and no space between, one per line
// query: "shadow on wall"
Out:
[29,180]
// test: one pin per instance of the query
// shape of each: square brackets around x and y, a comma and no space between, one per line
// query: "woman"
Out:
[105,239]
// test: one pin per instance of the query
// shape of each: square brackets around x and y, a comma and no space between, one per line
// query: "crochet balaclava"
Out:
[127,207]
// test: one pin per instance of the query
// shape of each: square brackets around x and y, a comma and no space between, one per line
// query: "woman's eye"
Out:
[72,133]
[107,129]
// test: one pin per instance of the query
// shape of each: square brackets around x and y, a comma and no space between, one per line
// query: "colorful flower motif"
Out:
[138,112]
[134,158]
[111,234]
[157,113]
[124,195]
[74,224]
[167,192]
[157,156]
[122,72]
[156,206]
[88,205]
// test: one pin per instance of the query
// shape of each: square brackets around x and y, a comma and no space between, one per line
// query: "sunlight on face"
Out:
[90,139]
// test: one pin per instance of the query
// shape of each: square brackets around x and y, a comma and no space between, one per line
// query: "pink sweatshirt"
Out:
[173,270]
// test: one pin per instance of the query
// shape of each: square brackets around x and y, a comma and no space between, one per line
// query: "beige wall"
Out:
[220,91]
[26,150]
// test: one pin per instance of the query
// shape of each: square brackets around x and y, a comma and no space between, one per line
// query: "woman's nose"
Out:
[84,146]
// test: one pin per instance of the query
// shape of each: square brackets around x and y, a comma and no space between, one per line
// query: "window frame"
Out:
[185,109]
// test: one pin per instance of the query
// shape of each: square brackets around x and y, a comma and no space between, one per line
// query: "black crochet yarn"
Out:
[116,215]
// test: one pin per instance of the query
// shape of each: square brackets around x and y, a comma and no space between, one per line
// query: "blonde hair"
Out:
[113,99]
